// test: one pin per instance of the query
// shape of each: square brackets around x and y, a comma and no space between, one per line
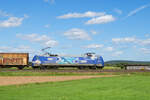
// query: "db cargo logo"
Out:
[12,61]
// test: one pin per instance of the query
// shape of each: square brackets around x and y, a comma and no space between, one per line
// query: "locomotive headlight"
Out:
[37,62]
[83,61]
[93,57]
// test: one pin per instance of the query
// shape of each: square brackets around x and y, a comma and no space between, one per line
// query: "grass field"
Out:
[124,87]
[111,67]
[30,72]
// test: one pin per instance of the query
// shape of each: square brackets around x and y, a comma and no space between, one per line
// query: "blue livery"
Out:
[88,60]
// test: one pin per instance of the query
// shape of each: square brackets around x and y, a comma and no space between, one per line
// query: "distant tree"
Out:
[108,64]
[121,65]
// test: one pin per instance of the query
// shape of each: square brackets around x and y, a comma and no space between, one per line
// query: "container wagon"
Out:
[19,60]
[89,60]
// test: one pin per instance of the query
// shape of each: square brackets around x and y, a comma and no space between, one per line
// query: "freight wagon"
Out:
[19,60]
[89,60]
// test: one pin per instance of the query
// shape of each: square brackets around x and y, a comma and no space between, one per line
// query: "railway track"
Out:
[73,70]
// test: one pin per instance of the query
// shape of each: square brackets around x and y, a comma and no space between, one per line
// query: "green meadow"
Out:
[124,87]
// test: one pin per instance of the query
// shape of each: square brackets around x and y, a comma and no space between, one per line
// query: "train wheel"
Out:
[35,67]
[80,67]
[42,67]
[100,68]
[56,67]
[93,67]
[20,67]
[52,67]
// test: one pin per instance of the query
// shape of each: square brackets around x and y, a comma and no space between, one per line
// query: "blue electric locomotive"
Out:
[89,60]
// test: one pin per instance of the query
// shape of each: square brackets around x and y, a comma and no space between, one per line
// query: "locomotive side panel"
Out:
[67,61]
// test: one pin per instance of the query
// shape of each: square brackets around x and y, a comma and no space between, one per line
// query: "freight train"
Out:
[51,61]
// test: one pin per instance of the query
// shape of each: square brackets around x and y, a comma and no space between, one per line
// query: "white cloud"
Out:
[145,42]
[93,32]
[109,48]
[47,26]
[4,13]
[12,22]
[51,43]
[101,20]
[25,16]
[94,46]
[20,48]
[2,48]
[78,34]
[145,50]
[134,43]
[147,35]
[117,53]
[89,14]
[42,39]
[124,40]
[49,1]
[137,10]
[96,17]
[118,11]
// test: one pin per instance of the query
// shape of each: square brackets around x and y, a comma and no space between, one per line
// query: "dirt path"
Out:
[38,79]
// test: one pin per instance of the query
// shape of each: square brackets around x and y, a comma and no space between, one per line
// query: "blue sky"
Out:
[115,29]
